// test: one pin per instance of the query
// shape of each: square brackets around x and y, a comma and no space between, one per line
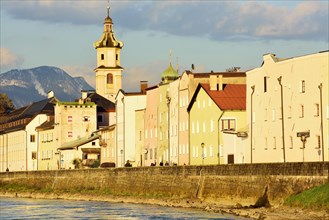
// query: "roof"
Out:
[169,73]
[18,119]
[207,74]
[103,104]
[79,142]
[49,124]
[232,97]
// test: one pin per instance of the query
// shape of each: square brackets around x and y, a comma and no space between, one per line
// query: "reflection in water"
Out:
[20,208]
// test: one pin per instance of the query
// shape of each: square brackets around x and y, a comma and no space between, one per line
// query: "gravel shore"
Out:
[278,212]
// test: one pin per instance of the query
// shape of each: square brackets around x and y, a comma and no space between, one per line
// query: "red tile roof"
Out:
[232,97]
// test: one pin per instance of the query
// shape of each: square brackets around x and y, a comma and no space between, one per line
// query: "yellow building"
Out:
[108,70]
[217,124]
[187,84]
[288,109]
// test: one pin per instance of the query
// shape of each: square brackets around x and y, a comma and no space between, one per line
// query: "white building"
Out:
[288,109]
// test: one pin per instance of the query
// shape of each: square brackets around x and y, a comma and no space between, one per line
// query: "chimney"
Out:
[51,94]
[84,94]
[216,82]
[143,86]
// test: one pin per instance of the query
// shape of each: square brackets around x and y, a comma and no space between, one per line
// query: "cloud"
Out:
[217,20]
[9,60]
[85,71]
[150,72]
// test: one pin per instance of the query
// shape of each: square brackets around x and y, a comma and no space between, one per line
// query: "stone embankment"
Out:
[245,184]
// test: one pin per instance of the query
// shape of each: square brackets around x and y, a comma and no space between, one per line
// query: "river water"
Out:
[21,208]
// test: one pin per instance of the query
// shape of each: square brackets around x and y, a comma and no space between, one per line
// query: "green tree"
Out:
[77,162]
[6,105]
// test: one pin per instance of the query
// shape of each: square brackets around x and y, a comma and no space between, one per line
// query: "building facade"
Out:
[288,109]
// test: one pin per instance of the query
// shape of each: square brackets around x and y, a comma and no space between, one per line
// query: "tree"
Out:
[6,105]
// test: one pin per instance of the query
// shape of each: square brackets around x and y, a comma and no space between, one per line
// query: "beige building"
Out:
[48,156]
[288,109]
[151,126]
[108,144]
[75,124]
[139,137]
[108,70]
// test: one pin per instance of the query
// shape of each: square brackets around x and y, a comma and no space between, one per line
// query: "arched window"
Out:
[109,78]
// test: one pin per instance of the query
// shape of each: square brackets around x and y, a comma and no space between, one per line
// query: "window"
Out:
[318,138]
[117,57]
[265,84]
[291,142]
[151,153]
[211,151]
[302,86]
[34,155]
[99,118]
[140,135]
[289,111]
[102,56]
[273,114]
[69,118]
[32,138]
[265,115]
[274,142]
[93,143]
[228,124]
[86,118]
[204,127]
[197,127]
[266,143]
[70,134]
[212,125]
[109,78]
[317,109]
[301,111]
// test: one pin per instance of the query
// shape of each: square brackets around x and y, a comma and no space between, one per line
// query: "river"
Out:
[22,208]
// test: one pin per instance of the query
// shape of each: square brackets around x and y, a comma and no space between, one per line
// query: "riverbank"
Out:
[223,206]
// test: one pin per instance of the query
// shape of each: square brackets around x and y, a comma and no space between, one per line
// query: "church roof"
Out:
[108,39]
[169,74]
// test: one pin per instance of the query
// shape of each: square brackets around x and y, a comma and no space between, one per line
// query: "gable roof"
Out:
[232,97]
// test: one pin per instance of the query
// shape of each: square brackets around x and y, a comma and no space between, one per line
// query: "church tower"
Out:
[108,70]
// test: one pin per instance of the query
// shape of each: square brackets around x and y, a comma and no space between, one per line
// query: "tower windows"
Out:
[109,78]
[116,57]
[102,56]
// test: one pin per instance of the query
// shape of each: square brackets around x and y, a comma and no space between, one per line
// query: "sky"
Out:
[212,35]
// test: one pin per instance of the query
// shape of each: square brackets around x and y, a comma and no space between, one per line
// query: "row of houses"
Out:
[278,112]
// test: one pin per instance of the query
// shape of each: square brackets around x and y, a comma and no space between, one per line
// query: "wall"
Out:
[236,183]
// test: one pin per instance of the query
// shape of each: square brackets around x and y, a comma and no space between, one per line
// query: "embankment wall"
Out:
[247,182]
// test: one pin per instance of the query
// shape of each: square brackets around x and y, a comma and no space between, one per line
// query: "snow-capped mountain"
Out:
[29,85]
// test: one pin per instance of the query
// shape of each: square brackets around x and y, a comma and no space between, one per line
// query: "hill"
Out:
[29,85]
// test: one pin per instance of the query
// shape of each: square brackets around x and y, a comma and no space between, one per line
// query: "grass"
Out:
[317,197]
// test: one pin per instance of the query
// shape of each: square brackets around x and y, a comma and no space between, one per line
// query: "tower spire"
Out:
[170,56]
[108,8]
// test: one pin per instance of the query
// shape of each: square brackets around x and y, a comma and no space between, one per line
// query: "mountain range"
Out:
[29,85]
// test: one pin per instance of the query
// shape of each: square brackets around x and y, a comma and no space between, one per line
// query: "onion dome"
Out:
[169,74]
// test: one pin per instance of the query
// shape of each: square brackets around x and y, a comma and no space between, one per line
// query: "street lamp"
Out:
[202,147]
